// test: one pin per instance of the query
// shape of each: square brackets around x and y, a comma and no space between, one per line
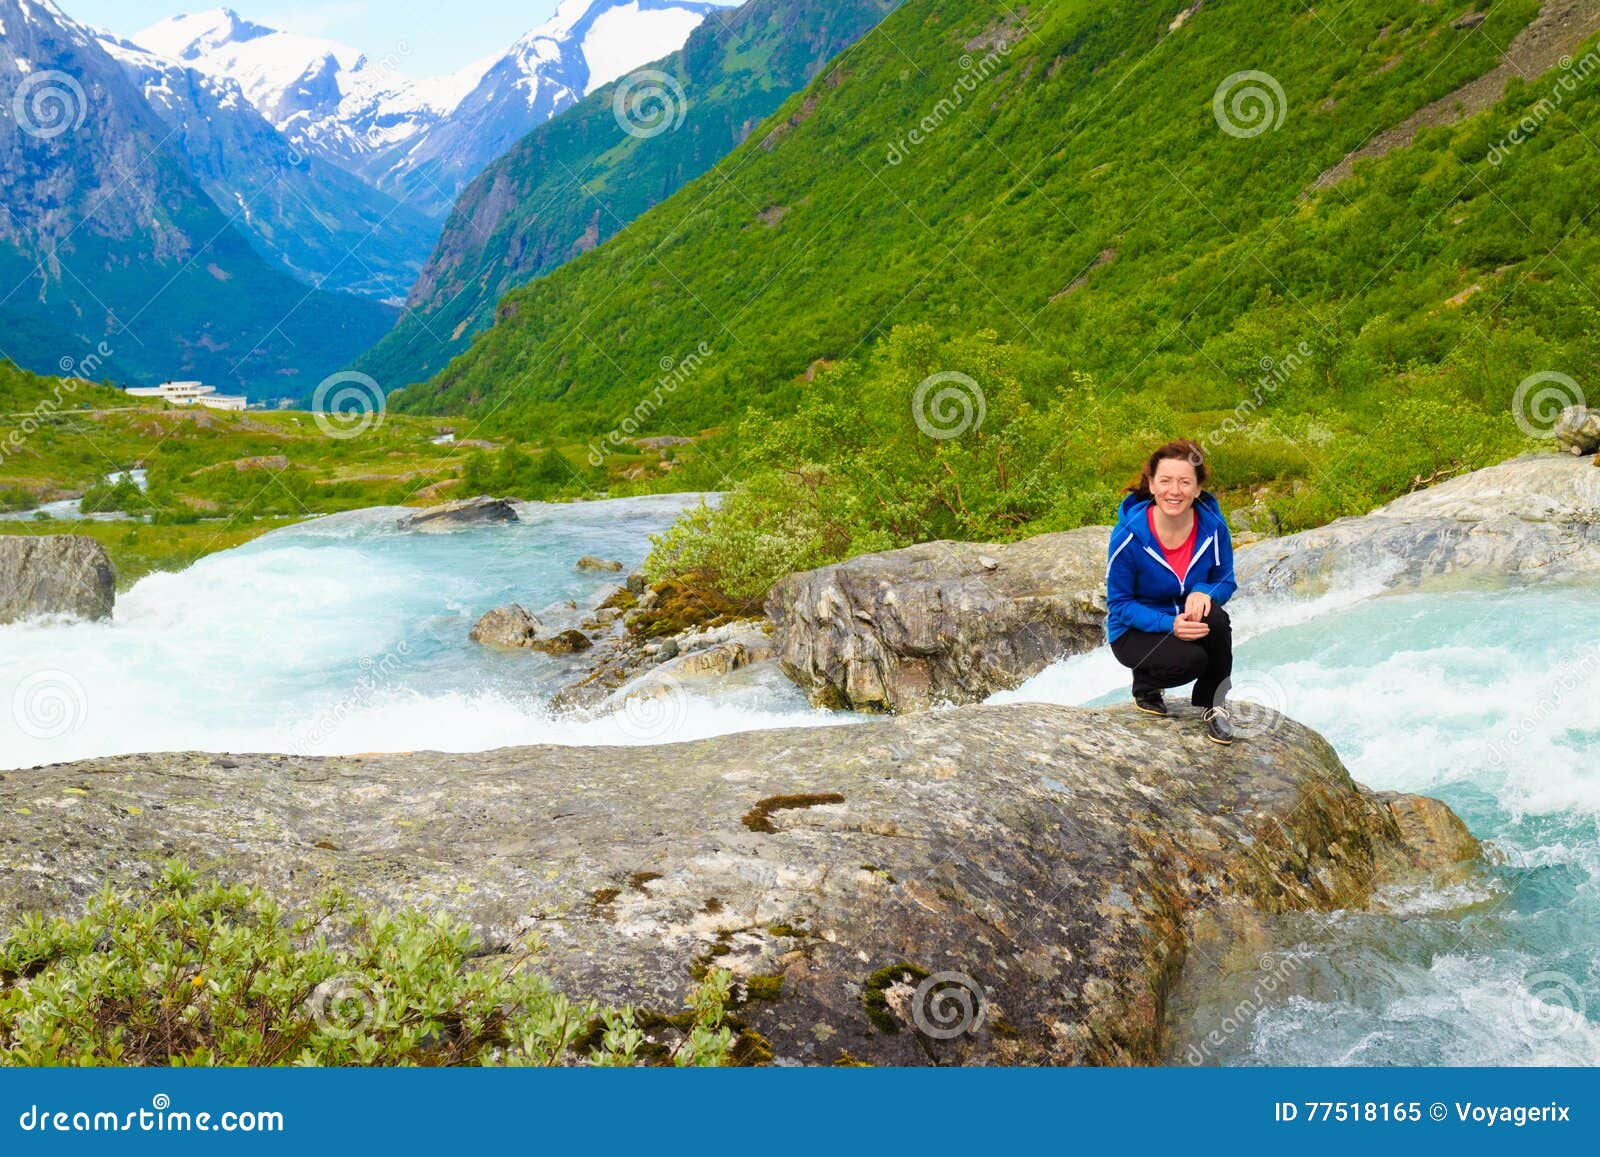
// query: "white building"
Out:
[190,394]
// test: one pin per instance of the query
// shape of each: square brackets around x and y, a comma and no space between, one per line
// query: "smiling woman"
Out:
[1169,570]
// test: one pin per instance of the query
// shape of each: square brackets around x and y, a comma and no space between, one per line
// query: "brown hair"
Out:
[1181,448]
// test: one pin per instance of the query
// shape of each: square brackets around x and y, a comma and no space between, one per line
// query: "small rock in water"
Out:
[508,626]
[592,562]
[460,512]
[566,643]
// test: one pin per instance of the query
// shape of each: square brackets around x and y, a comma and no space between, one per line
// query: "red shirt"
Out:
[1177,556]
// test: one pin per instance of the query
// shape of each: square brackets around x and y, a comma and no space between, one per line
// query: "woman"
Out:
[1169,570]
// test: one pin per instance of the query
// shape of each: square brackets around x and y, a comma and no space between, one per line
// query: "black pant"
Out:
[1160,661]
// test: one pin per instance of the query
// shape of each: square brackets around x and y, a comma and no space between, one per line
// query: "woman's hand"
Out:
[1190,629]
[1197,606]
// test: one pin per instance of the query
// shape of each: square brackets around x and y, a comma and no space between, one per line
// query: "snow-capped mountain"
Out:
[422,140]
[308,215]
[113,242]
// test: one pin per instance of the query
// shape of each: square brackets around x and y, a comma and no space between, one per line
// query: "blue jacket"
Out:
[1141,589]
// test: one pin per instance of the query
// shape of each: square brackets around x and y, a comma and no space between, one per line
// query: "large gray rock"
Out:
[1577,429]
[905,629]
[1537,515]
[55,574]
[459,512]
[1047,862]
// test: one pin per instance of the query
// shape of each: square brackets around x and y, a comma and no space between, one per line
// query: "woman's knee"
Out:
[1181,666]
[1217,616]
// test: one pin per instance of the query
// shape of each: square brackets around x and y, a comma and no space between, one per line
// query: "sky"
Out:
[417,37]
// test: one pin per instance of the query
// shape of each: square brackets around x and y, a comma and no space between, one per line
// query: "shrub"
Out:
[204,973]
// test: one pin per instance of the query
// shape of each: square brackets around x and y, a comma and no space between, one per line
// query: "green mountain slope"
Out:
[1093,130]
[581,177]
[1090,224]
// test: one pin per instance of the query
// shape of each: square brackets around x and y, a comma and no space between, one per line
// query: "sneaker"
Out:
[1218,729]
[1151,702]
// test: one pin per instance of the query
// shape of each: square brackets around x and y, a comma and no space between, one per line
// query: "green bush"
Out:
[202,973]
[14,498]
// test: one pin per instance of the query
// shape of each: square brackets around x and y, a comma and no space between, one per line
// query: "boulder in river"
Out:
[506,627]
[989,885]
[594,562]
[55,574]
[459,512]
[905,629]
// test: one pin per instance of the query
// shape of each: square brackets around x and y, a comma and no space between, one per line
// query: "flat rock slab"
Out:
[1047,861]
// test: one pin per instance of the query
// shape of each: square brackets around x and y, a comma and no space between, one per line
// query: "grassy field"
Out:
[217,478]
